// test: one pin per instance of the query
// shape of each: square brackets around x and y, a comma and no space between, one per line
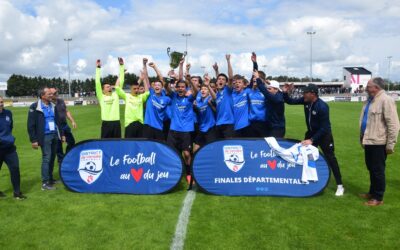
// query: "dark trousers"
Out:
[277,132]
[375,159]
[243,132]
[327,146]
[166,125]
[69,139]
[110,129]
[49,149]
[258,129]
[10,157]
[134,130]
[225,131]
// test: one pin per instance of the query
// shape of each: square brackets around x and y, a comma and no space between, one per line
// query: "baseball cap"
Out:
[274,84]
[311,88]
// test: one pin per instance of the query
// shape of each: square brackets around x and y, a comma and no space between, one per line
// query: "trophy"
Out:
[175,57]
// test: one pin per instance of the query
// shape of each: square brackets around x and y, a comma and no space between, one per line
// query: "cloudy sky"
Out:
[348,33]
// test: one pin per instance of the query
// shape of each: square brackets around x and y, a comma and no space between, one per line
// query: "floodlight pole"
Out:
[388,76]
[311,33]
[69,70]
[186,35]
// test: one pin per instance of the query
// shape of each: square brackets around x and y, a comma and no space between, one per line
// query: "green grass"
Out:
[64,220]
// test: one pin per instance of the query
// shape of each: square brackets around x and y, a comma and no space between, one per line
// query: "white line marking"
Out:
[183,221]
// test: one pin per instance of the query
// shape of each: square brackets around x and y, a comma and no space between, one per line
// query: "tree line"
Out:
[19,85]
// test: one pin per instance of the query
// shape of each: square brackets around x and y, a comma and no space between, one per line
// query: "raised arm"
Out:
[121,77]
[187,69]
[230,71]
[146,81]
[254,60]
[286,89]
[119,84]
[207,83]
[99,93]
[180,73]
[215,67]
[141,77]
[260,83]
[255,67]
[187,73]
[194,88]
[160,77]
[121,72]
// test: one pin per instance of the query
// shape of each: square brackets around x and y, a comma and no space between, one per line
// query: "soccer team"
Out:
[190,111]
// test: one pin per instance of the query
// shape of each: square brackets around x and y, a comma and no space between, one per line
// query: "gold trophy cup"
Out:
[175,57]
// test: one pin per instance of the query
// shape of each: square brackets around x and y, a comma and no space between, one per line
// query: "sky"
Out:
[347,33]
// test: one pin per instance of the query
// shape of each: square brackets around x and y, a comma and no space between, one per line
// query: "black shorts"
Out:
[166,125]
[110,129]
[134,130]
[195,132]
[204,138]
[225,131]
[277,132]
[258,129]
[243,132]
[181,141]
[153,133]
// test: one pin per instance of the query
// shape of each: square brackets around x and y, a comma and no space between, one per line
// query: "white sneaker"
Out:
[340,190]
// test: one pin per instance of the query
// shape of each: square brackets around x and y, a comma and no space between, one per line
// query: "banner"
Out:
[250,167]
[121,166]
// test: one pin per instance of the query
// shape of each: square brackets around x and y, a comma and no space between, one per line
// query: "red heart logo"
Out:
[137,174]
[272,164]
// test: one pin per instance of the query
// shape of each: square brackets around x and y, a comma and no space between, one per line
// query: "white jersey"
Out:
[300,155]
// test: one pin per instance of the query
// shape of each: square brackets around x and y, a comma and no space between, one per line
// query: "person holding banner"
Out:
[134,104]
[224,119]
[9,151]
[319,132]
[206,118]
[379,129]
[182,121]
[109,103]
[44,132]
[156,107]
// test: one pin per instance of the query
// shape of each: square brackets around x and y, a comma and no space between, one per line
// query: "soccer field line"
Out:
[183,221]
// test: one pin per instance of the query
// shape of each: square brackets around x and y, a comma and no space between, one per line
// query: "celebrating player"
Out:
[134,104]
[109,103]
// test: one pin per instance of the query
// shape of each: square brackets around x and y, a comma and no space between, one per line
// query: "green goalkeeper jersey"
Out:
[133,105]
[109,104]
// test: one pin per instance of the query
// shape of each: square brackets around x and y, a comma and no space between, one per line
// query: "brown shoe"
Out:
[373,203]
[365,196]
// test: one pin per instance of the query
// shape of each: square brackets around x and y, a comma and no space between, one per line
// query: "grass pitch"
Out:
[64,220]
